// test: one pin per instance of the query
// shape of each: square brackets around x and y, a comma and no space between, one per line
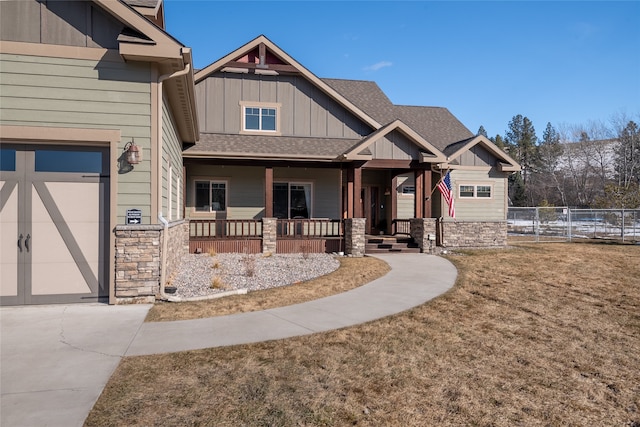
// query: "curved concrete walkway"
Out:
[56,359]
[413,280]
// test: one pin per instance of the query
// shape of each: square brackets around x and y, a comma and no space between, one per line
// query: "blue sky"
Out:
[567,63]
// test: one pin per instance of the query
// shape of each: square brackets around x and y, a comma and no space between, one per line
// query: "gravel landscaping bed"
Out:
[202,274]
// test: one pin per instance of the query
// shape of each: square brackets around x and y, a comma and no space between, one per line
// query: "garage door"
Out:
[53,224]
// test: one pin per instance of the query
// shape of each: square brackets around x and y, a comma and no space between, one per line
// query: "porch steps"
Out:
[386,244]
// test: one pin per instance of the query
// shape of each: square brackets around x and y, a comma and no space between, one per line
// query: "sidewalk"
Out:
[56,359]
[413,280]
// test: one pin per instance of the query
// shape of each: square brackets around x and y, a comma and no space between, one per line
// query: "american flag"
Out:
[445,188]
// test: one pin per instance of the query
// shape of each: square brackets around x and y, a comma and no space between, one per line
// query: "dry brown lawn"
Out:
[539,335]
[353,272]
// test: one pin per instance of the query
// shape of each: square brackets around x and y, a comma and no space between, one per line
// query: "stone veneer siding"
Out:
[420,229]
[354,240]
[269,235]
[473,233]
[139,257]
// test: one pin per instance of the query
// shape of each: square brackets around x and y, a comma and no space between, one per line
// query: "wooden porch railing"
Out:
[206,229]
[309,228]
[401,226]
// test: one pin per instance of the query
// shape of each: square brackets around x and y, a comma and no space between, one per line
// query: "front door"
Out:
[370,199]
[53,223]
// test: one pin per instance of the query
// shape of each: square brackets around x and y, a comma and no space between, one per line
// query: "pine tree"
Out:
[521,140]
[627,167]
[482,131]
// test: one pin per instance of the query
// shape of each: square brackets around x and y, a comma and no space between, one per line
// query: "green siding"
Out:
[245,189]
[171,154]
[92,94]
[492,209]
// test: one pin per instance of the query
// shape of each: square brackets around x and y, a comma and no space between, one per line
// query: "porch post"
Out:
[357,192]
[419,195]
[428,197]
[350,192]
[268,192]
[394,198]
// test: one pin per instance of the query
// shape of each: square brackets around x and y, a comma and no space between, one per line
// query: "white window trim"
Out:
[403,194]
[210,180]
[170,195]
[475,186]
[247,104]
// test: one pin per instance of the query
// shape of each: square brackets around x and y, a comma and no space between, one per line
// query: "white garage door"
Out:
[53,224]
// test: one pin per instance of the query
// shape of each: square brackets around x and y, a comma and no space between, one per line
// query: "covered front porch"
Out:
[280,207]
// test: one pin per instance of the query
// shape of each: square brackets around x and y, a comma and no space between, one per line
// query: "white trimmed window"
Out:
[408,190]
[260,117]
[170,195]
[210,196]
[475,191]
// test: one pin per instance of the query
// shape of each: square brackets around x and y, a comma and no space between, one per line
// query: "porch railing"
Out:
[401,226]
[309,228]
[225,229]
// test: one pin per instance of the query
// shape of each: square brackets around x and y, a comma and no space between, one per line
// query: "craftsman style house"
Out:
[116,158]
[278,142]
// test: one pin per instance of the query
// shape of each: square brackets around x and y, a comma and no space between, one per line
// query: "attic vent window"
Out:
[259,118]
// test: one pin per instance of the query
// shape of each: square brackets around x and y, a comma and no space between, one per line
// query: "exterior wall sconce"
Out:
[134,153]
[387,191]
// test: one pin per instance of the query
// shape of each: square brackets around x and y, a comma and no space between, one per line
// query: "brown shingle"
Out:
[435,124]
[260,146]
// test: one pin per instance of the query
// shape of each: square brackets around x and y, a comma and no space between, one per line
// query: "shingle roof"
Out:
[435,124]
[259,146]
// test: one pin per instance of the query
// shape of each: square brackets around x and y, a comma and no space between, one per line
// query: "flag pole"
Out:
[437,183]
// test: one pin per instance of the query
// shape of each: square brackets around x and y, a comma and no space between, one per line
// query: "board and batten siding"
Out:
[477,156]
[305,110]
[69,23]
[395,146]
[171,157]
[479,209]
[86,94]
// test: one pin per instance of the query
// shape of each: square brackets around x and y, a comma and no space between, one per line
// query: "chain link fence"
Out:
[548,224]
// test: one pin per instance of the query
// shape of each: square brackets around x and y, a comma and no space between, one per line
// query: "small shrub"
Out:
[215,265]
[249,262]
[216,283]
[212,252]
[305,249]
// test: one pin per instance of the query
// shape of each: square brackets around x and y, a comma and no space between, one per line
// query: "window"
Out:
[408,189]
[210,196]
[170,189]
[291,200]
[475,191]
[260,119]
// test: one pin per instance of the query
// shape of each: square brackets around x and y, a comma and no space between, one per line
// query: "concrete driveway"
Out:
[56,359]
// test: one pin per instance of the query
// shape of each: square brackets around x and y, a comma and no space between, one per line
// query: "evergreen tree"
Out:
[627,166]
[548,180]
[499,141]
[521,140]
[482,131]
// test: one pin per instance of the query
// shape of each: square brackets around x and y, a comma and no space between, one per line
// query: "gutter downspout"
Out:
[165,223]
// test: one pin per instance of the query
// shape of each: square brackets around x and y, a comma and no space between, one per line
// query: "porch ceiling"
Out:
[216,145]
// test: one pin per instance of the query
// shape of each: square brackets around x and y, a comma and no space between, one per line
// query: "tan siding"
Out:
[20,21]
[57,92]
[477,156]
[304,109]
[406,203]
[479,209]
[70,23]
